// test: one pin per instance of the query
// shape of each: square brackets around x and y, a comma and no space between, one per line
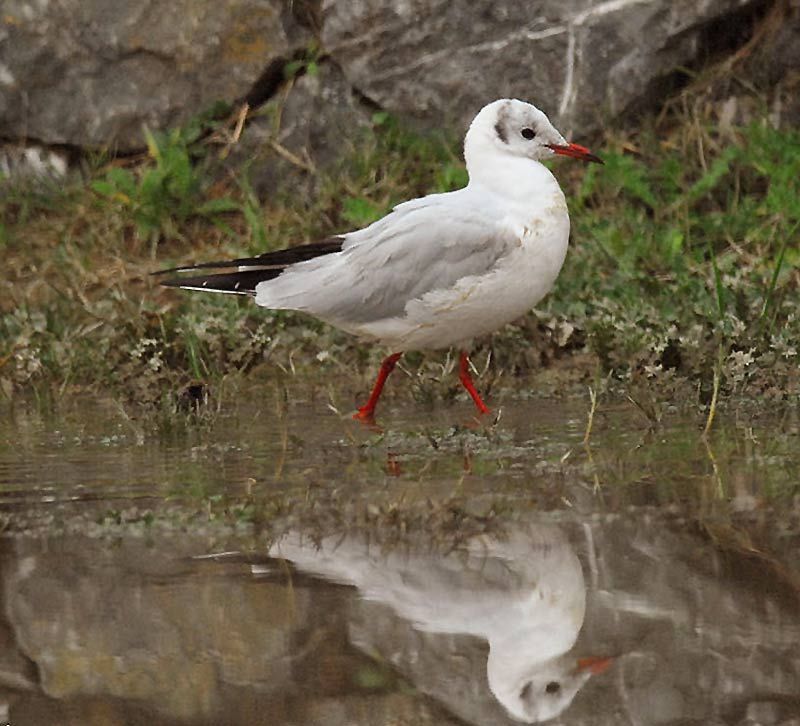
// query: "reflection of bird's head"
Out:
[530,671]
[548,688]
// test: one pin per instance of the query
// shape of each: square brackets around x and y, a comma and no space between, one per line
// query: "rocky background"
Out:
[78,76]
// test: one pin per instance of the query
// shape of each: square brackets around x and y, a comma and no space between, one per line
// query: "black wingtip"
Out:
[268,260]
[241,282]
[171,271]
[241,276]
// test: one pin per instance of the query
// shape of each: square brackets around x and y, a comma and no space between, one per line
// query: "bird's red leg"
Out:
[466,381]
[367,411]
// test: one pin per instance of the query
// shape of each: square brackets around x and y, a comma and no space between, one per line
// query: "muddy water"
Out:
[273,563]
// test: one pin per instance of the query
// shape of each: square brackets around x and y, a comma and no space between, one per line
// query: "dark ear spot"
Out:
[501,132]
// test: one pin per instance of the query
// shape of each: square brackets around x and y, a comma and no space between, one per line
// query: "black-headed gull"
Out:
[437,271]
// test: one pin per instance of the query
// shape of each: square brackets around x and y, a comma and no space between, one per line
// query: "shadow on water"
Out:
[270,571]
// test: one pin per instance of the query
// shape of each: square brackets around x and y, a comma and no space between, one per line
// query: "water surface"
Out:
[280,564]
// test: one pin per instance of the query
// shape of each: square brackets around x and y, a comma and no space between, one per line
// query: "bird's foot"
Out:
[482,419]
[366,417]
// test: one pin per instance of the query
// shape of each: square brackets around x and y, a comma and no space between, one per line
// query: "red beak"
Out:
[594,664]
[576,151]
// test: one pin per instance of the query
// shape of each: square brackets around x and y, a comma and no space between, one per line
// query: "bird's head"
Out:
[509,126]
[548,688]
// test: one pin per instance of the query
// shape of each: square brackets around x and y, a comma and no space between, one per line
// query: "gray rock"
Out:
[441,61]
[31,161]
[582,61]
[310,124]
[90,73]
[764,713]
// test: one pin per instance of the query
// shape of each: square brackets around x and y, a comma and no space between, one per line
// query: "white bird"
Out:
[436,271]
[523,593]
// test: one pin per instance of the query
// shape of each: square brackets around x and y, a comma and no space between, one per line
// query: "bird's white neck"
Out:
[518,180]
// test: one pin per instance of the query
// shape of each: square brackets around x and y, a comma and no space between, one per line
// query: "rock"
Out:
[582,61]
[310,124]
[764,713]
[31,161]
[442,61]
[90,73]
[775,64]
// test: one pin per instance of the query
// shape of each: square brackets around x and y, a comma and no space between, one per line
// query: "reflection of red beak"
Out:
[576,151]
[594,665]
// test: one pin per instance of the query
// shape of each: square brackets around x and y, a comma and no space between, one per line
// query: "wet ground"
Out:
[276,563]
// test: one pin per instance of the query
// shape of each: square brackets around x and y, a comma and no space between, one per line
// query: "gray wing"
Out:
[422,246]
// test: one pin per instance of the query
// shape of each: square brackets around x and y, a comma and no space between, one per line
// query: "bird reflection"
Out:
[523,593]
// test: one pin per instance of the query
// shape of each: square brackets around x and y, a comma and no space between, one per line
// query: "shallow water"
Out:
[277,563]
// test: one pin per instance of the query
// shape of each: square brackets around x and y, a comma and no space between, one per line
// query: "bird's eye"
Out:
[552,687]
[528,134]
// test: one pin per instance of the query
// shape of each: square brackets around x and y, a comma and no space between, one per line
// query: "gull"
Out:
[522,592]
[438,271]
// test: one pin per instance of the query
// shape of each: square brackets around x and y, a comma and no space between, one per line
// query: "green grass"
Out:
[163,194]
[684,263]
